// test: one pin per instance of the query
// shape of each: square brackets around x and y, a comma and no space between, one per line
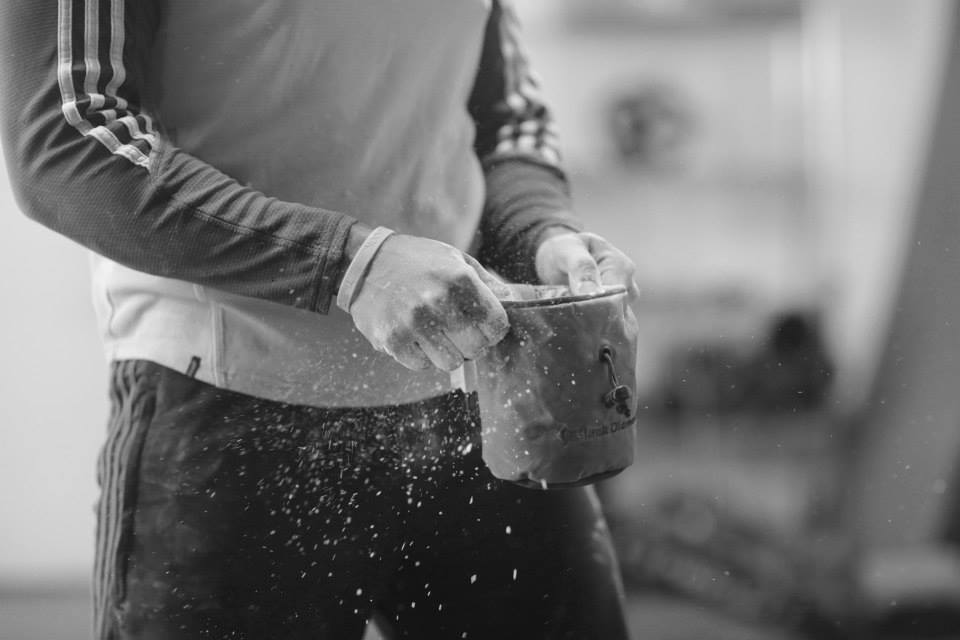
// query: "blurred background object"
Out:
[766,164]
[778,171]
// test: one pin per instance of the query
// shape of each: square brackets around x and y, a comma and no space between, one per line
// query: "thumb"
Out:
[582,270]
[499,288]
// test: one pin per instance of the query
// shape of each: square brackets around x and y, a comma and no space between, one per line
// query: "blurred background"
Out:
[782,172]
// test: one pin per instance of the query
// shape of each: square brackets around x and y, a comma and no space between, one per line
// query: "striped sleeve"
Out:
[91,73]
[517,144]
[87,159]
[512,118]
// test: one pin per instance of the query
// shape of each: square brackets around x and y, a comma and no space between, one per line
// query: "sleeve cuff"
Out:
[357,269]
[331,264]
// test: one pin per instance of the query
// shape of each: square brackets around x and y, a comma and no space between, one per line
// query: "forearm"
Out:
[525,203]
[190,222]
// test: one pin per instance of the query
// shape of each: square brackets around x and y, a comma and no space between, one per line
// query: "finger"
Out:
[441,351]
[468,340]
[633,289]
[408,353]
[614,266]
[583,273]
[633,297]
[616,270]
[484,312]
[499,288]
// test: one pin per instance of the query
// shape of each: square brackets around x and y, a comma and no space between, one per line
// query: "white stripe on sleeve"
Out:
[87,28]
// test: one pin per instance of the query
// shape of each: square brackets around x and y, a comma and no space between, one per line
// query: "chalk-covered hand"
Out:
[426,304]
[584,262]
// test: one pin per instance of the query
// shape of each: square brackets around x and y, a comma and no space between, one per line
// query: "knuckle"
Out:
[473,344]
[397,342]
[585,264]
[592,237]
[461,289]
[423,318]
[429,299]
[479,353]
[462,281]
[468,340]
[463,300]
[477,349]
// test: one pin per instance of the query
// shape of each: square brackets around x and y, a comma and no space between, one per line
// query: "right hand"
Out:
[426,304]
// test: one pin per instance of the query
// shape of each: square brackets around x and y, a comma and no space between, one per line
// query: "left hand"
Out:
[585,262]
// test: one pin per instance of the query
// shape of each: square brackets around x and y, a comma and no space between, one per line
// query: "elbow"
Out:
[36,194]
[26,186]
[39,147]
[53,179]
[62,204]
[58,203]
[31,173]
[23,195]
[69,185]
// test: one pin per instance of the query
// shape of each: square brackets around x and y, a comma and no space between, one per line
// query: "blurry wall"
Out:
[907,476]
[824,228]
[721,214]
[874,71]
[53,405]
[717,221]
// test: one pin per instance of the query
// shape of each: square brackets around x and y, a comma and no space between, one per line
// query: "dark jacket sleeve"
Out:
[87,159]
[516,141]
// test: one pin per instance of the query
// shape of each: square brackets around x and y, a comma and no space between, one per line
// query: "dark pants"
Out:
[228,516]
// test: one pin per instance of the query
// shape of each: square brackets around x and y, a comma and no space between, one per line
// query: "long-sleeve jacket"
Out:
[213,156]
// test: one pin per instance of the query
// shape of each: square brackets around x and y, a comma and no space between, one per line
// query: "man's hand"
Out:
[584,262]
[427,304]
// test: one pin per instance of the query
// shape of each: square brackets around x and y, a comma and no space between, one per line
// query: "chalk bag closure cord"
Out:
[619,395]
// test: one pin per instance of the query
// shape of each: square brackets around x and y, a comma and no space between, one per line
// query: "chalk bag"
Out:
[558,394]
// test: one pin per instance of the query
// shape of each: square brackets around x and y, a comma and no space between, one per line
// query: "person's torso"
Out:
[358,106]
